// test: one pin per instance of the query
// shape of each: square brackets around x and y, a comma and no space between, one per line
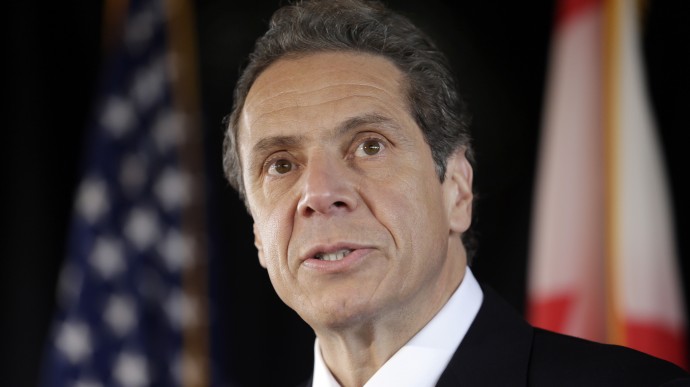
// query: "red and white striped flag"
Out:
[603,262]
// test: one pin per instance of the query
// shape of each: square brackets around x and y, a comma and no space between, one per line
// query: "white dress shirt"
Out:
[422,360]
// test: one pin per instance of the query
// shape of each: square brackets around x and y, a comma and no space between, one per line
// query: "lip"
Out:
[356,255]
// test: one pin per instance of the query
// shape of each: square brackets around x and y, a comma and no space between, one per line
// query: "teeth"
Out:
[337,256]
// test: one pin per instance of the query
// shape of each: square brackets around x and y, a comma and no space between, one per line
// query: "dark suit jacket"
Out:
[501,349]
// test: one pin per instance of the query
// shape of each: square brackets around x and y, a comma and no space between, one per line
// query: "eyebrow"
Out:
[269,143]
[364,120]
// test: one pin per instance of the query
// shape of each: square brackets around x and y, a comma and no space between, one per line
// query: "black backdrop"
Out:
[499,51]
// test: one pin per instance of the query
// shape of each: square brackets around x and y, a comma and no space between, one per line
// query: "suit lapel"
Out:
[495,350]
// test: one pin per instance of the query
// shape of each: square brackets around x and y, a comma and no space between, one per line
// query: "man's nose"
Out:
[327,189]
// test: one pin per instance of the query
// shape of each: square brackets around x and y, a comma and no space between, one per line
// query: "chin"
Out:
[337,315]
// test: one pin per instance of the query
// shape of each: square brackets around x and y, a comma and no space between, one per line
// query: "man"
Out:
[350,146]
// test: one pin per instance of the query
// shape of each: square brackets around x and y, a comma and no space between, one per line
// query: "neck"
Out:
[353,358]
[354,353]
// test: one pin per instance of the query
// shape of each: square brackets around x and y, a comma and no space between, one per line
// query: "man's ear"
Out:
[259,247]
[458,191]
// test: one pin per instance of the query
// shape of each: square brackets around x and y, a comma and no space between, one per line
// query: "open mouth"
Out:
[334,256]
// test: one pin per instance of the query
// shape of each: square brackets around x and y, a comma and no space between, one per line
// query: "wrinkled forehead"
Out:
[313,79]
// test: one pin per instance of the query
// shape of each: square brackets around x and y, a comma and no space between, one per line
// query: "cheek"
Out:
[275,231]
[418,205]
[276,236]
[407,207]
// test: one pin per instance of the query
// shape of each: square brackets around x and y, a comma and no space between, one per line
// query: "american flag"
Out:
[131,300]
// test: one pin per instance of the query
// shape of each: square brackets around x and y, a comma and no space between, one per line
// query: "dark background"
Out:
[53,54]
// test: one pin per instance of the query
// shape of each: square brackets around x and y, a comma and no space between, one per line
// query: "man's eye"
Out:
[280,167]
[369,148]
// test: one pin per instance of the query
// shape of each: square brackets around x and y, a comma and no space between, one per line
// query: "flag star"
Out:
[107,257]
[148,84]
[74,341]
[131,370]
[120,315]
[92,199]
[133,173]
[118,116]
[142,228]
[176,250]
[181,309]
[87,383]
[172,189]
[168,129]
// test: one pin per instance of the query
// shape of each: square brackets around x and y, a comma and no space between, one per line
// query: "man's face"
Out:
[350,217]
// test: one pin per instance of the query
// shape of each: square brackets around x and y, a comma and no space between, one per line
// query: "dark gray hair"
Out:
[312,26]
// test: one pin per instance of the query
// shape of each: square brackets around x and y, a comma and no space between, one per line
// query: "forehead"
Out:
[311,86]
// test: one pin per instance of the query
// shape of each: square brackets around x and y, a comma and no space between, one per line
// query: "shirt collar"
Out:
[421,361]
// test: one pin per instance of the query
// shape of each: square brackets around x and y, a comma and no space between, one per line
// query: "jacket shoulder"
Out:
[562,360]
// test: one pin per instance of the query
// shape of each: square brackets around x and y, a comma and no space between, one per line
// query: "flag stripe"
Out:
[654,339]
[568,10]
[611,87]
